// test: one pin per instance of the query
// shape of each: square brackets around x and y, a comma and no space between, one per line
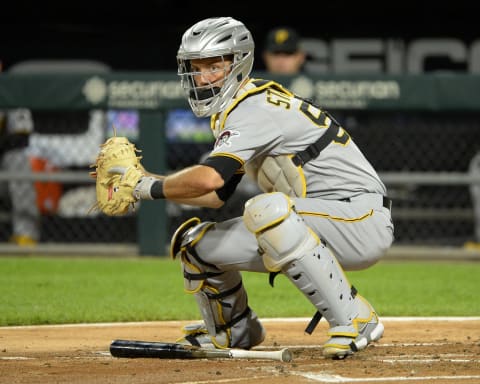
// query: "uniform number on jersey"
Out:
[319,118]
[278,98]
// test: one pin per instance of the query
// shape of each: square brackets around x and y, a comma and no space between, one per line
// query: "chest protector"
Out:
[277,174]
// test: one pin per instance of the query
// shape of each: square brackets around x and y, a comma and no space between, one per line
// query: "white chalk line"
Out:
[376,345]
[425,361]
[385,318]
[327,378]
[16,358]
[234,380]
[413,344]
[265,320]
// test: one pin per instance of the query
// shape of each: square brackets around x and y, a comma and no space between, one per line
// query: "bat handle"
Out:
[282,355]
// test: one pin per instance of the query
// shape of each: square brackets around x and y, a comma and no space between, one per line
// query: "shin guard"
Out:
[220,295]
[321,279]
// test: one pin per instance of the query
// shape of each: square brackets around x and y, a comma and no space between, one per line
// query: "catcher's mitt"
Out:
[117,172]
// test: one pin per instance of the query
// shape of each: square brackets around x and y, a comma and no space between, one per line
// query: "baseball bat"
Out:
[159,350]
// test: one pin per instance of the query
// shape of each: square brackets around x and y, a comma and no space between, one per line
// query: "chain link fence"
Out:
[66,143]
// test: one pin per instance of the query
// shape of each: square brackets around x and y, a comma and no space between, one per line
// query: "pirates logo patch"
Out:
[225,138]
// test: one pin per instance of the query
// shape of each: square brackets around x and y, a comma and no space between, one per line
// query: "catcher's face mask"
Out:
[227,43]
[206,78]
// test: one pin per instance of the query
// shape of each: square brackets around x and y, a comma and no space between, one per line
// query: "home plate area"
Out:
[413,350]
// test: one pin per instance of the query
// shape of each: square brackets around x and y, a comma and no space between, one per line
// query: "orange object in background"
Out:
[48,192]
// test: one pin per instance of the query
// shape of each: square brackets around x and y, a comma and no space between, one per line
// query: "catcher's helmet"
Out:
[215,37]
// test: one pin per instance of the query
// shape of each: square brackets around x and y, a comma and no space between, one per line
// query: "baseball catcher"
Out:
[323,209]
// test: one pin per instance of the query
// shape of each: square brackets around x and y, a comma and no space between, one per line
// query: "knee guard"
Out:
[220,295]
[281,233]
[180,237]
[290,246]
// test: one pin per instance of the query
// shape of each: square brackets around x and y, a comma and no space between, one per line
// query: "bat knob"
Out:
[287,355]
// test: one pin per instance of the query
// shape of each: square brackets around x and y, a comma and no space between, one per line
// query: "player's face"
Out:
[210,71]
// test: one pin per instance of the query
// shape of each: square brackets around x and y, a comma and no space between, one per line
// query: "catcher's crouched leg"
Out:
[228,320]
[291,247]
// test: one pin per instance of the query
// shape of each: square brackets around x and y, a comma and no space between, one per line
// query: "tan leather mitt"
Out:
[117,172]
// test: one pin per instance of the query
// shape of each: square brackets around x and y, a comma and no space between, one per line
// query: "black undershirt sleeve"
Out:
[227,190]
[227,168]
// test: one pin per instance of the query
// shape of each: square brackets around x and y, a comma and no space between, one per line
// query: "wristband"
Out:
[156,190]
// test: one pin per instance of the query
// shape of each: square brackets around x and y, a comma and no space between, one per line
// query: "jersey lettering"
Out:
[342,137]
[278,98]
[319,118]
[314,114]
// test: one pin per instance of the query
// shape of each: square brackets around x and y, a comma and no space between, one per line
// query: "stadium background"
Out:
[145,37]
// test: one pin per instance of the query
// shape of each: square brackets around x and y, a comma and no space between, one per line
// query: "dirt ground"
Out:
[412,350]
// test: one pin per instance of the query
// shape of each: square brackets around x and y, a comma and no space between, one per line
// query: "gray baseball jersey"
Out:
[344,197]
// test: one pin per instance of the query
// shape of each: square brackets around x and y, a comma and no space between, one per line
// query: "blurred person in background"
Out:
[64,140]
[282,53]
[16,126]
[47,142]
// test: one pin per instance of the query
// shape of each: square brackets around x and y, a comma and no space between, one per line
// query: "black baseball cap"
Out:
[282,40]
